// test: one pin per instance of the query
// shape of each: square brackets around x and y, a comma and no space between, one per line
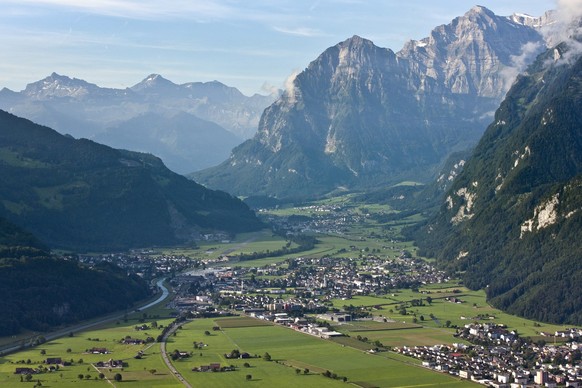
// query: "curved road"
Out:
[84,326]
[167,360]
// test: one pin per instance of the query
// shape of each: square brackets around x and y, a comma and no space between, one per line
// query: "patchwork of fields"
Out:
[292,351]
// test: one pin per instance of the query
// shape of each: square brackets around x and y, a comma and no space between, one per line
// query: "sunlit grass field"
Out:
[291,350]
[137,373]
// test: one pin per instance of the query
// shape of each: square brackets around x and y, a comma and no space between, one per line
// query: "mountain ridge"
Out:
[85,110]
[510,222]
[360,115]
[81,195]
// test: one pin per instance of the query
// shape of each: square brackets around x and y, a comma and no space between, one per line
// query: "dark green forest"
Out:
[80,195]
[41,292]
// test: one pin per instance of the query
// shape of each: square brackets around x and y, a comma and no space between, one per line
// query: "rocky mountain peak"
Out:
[473,53]
[56,85]
[154,82]
[356,42]
[361,114]
[479,11]
[357,51]
[344,61]
[548,18]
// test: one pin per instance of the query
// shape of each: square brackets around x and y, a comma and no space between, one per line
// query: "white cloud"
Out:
[570,9]
[300,31]
[520,62]
[567,29]
[290,85]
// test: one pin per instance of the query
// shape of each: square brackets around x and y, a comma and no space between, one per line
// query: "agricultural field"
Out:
[243,243]
[434,316]
[362,236]
[403,317]
[292,353]
[149,371]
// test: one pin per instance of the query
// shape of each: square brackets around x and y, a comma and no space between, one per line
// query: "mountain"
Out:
[510,223]
[362,116]
[82,109]
[80,195]
[181,140]
[28,272]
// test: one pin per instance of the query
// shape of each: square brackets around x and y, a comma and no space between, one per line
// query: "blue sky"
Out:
[253,45]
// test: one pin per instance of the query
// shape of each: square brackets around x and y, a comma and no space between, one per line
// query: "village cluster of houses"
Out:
[503,359]
[329,219]
[346,277]
[145,264]
[302,285]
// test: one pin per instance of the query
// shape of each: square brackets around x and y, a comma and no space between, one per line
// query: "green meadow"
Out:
[433,317]
[291,351]
[366,237]
[150,371]
[259,241]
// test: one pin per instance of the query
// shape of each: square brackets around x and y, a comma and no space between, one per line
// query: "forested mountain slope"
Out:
[511,222]
[80,195]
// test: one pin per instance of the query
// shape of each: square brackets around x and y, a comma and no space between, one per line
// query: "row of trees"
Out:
[304,243]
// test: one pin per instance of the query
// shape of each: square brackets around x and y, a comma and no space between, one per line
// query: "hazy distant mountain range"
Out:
[361,116]
[190,126]
[80,195]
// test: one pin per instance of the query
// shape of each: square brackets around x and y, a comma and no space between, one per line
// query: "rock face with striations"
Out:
[362,116]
